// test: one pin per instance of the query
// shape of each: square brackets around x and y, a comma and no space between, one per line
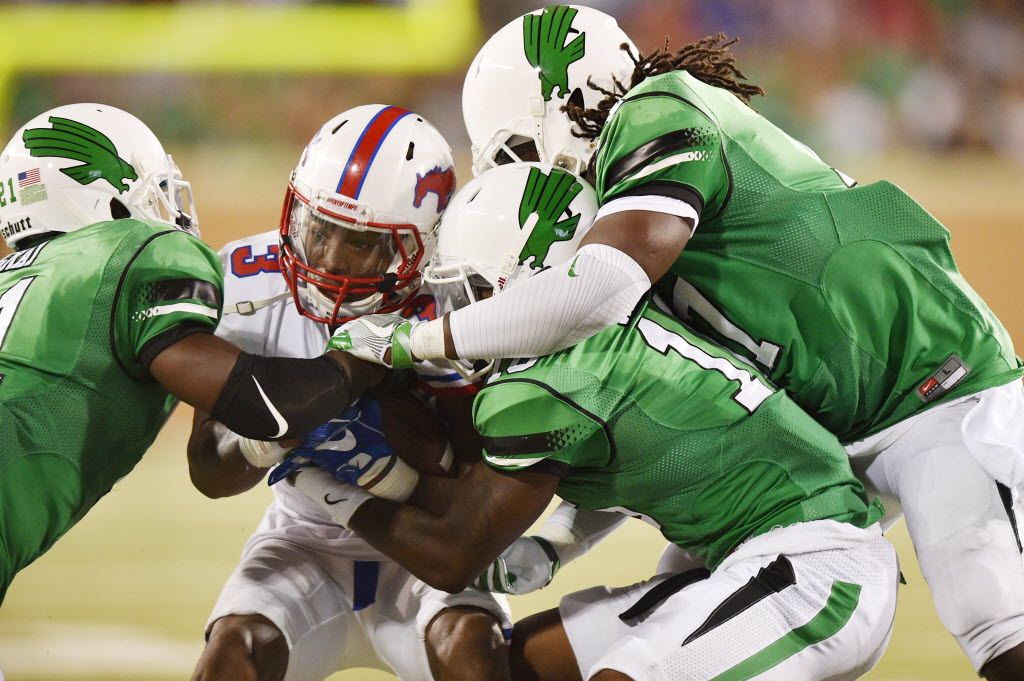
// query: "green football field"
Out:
[126,593]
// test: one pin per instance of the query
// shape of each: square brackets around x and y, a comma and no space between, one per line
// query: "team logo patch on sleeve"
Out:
[943,380]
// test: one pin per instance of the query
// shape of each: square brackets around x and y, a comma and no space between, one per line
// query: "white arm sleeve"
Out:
[572,531]
[554,309]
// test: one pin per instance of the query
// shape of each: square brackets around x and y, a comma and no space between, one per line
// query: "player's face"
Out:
[342,251]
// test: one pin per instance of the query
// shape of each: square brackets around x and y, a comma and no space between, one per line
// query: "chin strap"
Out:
[248,307]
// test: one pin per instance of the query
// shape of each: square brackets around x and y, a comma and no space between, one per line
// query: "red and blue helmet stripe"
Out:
[366,148]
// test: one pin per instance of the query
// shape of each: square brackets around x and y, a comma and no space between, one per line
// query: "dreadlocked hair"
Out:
[708,60]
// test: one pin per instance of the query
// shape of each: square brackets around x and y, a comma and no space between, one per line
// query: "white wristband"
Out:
[390,478]
[427,339]
[262,453]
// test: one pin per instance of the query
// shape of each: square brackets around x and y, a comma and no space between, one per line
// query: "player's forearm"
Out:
[215,461]
[264,398]
[483,513]
[552,310]
[431,547]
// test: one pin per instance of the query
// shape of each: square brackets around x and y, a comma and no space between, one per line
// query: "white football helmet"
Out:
[358,215]
[506,225]
[80,164]
[528,70]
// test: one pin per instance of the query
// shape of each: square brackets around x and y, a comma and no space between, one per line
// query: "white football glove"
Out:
[529,564]
[371,336]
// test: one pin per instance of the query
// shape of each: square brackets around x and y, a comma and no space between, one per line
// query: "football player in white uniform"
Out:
[310,598]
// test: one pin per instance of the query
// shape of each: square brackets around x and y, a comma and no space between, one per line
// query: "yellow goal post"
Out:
[415,36]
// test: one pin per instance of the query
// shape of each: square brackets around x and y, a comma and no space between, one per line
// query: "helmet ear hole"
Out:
[118,211]
[576,98]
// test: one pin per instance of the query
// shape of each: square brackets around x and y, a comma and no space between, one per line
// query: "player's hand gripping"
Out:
[379,338]
[529,564]
[352,448]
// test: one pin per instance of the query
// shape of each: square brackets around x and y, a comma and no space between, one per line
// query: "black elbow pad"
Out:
[273,398]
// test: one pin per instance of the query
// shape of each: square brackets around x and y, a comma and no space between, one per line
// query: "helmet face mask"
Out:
[80,164]
[163,196]
[361,211]
[524,74]
[339,269]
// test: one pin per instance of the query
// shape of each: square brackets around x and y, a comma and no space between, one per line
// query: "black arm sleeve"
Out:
[273,398]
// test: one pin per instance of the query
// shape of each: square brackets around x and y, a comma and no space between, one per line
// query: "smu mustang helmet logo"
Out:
[549,197]
[544,41]
[79,142]
[440,182]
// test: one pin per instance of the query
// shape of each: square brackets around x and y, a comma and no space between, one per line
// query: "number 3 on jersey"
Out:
[9,302]
[752,391]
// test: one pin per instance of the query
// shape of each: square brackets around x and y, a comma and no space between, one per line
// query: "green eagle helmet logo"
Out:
[80,142]
[544,37]
[549,197]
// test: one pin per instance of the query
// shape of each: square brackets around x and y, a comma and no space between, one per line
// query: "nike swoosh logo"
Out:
[346,444]
[378,331]
[572,268]
[332,502]
[281,423]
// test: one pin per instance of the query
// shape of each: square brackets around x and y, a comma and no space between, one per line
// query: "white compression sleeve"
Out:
[572,531]
[554,309]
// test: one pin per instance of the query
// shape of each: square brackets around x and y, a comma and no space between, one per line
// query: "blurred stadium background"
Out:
[926,93]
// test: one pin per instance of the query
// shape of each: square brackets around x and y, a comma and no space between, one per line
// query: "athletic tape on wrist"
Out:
[427,340]
[550,552]
[391,479]
[262,453]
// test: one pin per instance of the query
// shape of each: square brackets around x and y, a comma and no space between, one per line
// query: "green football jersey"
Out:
[847,296]
[81,316]
[654,421]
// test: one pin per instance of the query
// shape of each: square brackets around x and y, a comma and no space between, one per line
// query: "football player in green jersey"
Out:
[847,296]
[648,419]
[107,312]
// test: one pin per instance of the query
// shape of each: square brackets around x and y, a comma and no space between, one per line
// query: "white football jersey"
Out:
[260,317]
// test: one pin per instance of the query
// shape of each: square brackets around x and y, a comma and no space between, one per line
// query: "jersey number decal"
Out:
[687,299]
[9,302]
[245,264]
[752,391]
[4,200]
